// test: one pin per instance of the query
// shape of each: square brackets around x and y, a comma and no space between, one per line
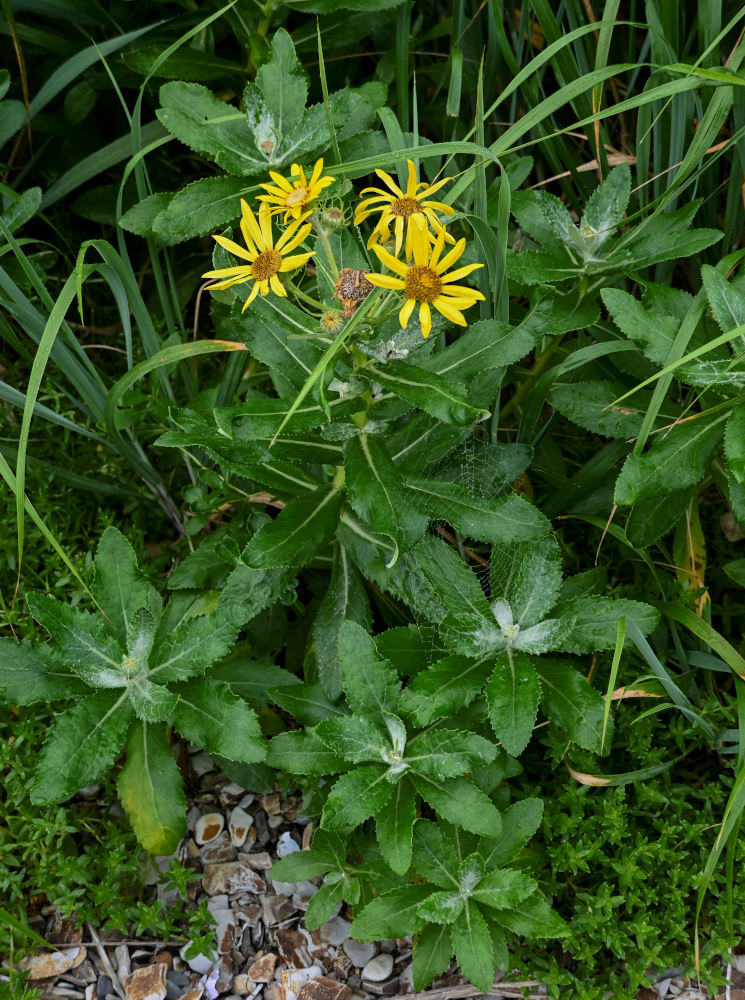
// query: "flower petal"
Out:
[265,221]
[227,272]
[449,311]
[384,280]
[411,183]
[450,258]
[405,312]
[317,171]
[251,297]
[398,228]
[234,248]
[253,226]
[290,231]
[280,181]
[390,182]
[291,263]
[277,287]
[297,239]
[461,272]
[425,319]
[390,261]
[461,291]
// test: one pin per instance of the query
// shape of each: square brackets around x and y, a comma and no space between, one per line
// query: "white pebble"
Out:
[286,845]
[378,969]
[239,824]
[209,827]
[360,952]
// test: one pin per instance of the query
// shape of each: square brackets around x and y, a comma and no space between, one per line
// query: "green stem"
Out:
[541,363]
[304,296]
[323,239]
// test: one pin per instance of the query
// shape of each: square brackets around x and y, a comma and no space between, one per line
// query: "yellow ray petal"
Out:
[437,249]
[390,261]
[297,239]
[398,228]
[220,286]
[234,248]
[411,183]
[317,171]
[290,263]
[253,226]
[425,319]
[277,287]
[439,205]
[450,258]
[461,291]
[227,272]
[290,231]
[405,312]
[263,286]
[420,249]
[265,221]
[429,189]
[390,182]
[461,272]
[247,237]
[280,181]
[449,311]
[384,280]
[251,297]
[380,191]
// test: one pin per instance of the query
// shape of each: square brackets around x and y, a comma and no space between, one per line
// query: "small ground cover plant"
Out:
[435,480]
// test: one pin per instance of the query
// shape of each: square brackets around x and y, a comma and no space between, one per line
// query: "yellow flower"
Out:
[265,259]
[426,282]
[291,197]
[399,207]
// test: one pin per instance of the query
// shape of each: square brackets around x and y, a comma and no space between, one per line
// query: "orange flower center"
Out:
[422,284]
[405,207]
[297,197]
[266,265]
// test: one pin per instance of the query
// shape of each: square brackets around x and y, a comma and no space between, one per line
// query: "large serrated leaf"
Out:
[434,856]
[29,675]
[392,914]
[194,645]
[595,622]
[356,796]
[370,682]
[519,822]
[512,695]
[354,738]
[444,688]
[473,948]
[211,716]
[120,587]
[82,743]
[302,752]
[80,640]
[302,528]
[569,701]
[444,400]
[734,443]
[394,827]
[432,953]
[528,577]
[151,790]
[459,802]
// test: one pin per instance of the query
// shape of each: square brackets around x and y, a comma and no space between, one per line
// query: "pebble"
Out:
[231,877]
[270,803]
[286,845]
[200,963]
[219,850]
[385,989]
[54,964]
[202,763]
[335,932]
[324,989]
[242,985]
[229,794]
[239,824]
[292,979]
[208,827]
[360,952]
[262,969]
[104,986]
[146,984]
[304,892]
[378,968]
[260,860]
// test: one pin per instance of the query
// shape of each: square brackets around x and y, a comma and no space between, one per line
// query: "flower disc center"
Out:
[266,265]
[405,207]
[422,284]
[297,197]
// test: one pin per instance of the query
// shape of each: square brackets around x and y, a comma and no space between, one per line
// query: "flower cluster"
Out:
[413,215]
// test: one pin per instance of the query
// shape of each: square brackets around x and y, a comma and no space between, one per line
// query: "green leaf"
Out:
[376,492]
[595,622]
[469,620]
[252,679]
[442,907]
[209,715]
[194,645]
[120,587]
[140,218]
[592,405]
[432,952]
[569,701]
[82,743]
[249,591]
[304,526]
[460,803]
[446,753]
[188,64]
[345,599]
[509,518]
[519,822]
[323,903]
[727,302]
[533,918]
[432,393]
[434,856]
[208,125]
[473,948]
[204,206]
[302,752]
[513,693]
[151,702]
[370,682]
[307,703]
[650,520]
[444,688]
[29,675]
[528,577]
[151,790]
[392,914]
[672,463]
[605,208]
[353,738]
[356,796]
[24,207]
[394,827]
[284,85]
[298,866]
[734,443]
[503,889]
[81,641]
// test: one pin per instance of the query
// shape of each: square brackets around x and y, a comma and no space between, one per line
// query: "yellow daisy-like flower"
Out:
[398,208]
[291,197]
[265,259]
[425,281]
